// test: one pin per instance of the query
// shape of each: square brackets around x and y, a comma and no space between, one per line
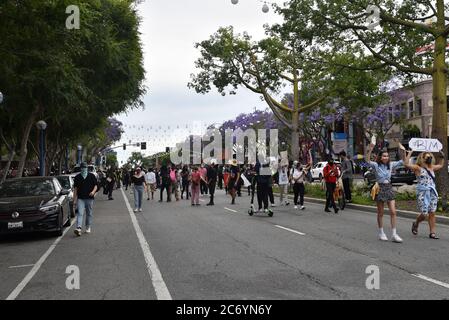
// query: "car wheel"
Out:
[320,178]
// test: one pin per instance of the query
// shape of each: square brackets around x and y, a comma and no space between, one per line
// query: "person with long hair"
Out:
[426,192]
[383,168]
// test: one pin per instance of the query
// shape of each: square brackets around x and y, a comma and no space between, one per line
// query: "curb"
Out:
[400,213]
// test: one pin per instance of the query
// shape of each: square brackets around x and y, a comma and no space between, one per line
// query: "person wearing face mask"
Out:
[85,188]
[382,168]
[426,192]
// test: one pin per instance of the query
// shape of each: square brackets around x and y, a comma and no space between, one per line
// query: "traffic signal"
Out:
[143,146]
[124,146]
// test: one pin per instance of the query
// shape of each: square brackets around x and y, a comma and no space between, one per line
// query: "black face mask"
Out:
[428,160]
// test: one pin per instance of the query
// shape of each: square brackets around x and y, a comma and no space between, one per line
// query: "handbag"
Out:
[375,190]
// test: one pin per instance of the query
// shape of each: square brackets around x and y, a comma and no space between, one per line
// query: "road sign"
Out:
[425,145]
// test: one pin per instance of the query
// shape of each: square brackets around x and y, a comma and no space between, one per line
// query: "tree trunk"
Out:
[439,119]
[295,136]
[12,153]
[24,142]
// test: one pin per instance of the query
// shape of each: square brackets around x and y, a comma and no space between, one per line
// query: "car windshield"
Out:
[65,182]
[26,188]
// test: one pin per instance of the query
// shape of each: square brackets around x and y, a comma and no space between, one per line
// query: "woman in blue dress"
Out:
[426,192]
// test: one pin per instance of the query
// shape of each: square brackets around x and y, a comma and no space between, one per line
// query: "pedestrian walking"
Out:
[174,181]
[126,179]
[298,177]
[165,183]
[426,192]
[331,174]
[138,181]
[234,178]
[346,172]
[185,182]
[150,180]
[195,185]
[383,190]
[85,188]
[283,181]
[211,179]
[220,177]
[263,181]
[110,182]
[203,172]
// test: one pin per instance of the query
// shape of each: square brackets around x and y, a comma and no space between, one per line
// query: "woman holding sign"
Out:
[382,168]
[426,192]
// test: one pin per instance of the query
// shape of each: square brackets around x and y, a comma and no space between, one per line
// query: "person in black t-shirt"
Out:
[234,177]
[211,177]
[85,188]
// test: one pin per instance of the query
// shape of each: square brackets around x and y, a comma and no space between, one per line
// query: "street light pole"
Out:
[41,125]
[79,155]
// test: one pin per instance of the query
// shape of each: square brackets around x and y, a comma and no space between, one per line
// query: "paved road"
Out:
[173,250]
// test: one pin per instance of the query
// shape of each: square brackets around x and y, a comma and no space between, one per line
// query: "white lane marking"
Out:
[230,210]
[291,230]
[440,283]
[21,266]
[15,293]
[159,285]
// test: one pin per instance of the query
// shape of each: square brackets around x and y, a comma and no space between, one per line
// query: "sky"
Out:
[169,31]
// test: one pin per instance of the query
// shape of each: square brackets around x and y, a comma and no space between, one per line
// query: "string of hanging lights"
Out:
[265,6]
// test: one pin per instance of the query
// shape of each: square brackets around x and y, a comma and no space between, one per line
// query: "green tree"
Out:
[404,26]
[73,79]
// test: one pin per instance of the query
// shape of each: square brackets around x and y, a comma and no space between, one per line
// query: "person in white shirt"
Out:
[283,180]
[298,176]
[150,180]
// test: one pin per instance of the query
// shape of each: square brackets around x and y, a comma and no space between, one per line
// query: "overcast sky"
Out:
[170,28]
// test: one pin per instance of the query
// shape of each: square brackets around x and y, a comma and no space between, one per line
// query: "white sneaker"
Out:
[396,238]
[135,210]
[273,205]
[140,210]
[383,237]
[88,230]
[303,208]
[296,207]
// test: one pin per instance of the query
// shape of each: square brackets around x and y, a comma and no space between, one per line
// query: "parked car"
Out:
[68,182]
[33,204]
[317,170]
[399,175]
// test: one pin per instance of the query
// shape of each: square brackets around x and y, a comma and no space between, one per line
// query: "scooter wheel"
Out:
[270,213]
[250,212]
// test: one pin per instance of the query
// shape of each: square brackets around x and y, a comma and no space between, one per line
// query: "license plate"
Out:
[15,225]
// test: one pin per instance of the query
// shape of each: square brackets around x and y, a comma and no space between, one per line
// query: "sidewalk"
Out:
[400,213]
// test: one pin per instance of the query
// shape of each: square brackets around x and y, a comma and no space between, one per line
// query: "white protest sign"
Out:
[425,145]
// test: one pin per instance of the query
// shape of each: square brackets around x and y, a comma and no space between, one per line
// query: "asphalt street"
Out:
[176,251]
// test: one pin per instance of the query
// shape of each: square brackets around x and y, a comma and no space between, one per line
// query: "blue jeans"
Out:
[138,196]
[84,205]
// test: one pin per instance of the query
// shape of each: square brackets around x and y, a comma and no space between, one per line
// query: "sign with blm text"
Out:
[425,145]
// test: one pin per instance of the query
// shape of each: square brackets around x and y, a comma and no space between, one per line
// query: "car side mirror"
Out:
[64,193]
